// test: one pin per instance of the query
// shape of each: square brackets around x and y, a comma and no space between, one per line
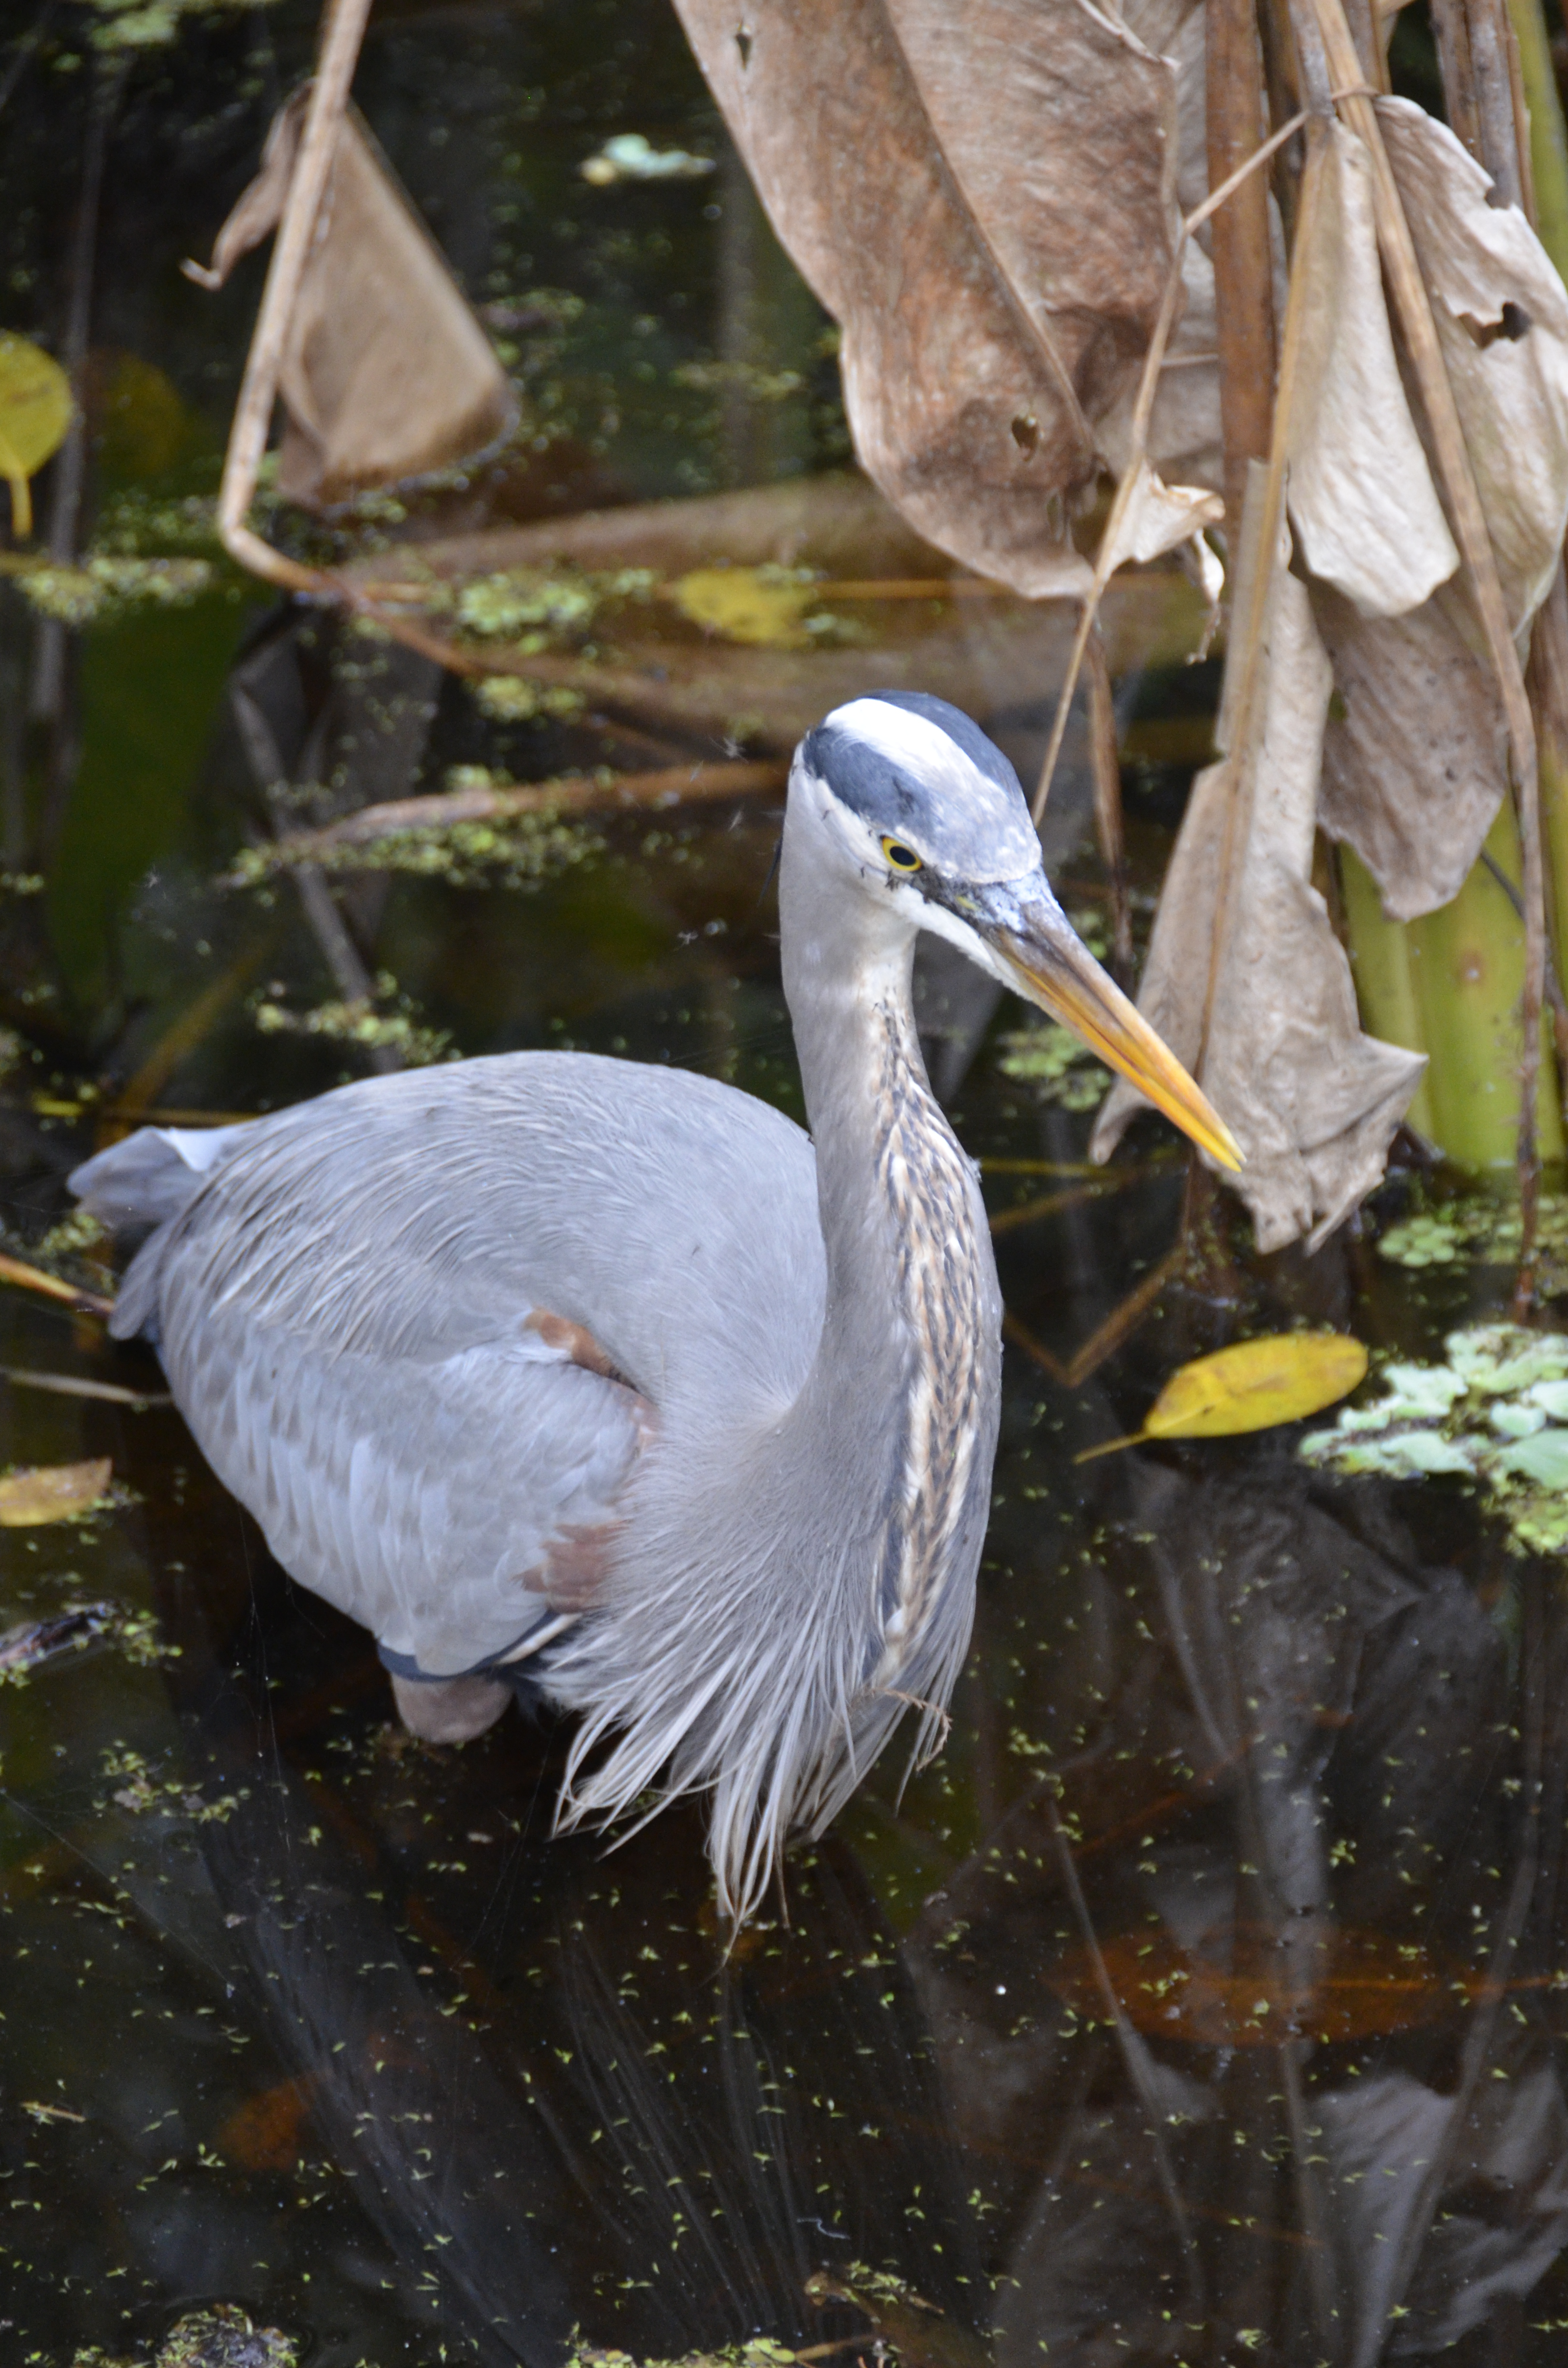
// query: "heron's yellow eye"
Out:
[901,857]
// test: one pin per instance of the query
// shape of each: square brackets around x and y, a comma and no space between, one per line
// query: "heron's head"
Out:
[926,814]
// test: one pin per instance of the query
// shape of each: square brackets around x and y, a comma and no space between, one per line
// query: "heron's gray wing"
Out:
[449,1505]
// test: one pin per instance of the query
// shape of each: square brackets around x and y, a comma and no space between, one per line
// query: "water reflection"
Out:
[1230,2032]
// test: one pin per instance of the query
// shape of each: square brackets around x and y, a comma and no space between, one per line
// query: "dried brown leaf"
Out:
[1312,1101]
[1362,501]
[1185,442]
[983,199]
[1414,756]
[1502,318]
[1158,517]
[387,376]
[52,1493]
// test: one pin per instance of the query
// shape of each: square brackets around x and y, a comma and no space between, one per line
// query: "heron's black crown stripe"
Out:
[862,779]
[872,784]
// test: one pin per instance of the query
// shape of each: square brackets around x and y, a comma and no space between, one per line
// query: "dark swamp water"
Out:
[1205,2001]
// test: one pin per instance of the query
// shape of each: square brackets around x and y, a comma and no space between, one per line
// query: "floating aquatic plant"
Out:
[1496,1413]
[362,1021]
[508,698]
[108,583]
[1485,1228]
[1057,1063]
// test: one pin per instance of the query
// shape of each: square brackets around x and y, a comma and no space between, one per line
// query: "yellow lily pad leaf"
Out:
[52,1493]
[35,412]
[764,606]
[1282,1377]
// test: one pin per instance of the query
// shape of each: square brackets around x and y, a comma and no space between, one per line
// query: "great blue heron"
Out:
[606,1377]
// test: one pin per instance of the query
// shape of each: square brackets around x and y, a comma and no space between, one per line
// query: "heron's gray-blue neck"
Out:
[908,1364]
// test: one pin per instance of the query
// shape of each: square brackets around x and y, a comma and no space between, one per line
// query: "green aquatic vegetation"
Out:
[107,584]
[549,601]
[154,24]
[137,525]
[507,699]
[1496,1414]
[760,2352]
[361,1020]
[1058,1064]
[219,2336]
[139,1789]
[1485,1228]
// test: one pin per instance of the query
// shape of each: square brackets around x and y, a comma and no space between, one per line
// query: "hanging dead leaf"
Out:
[35,413]
[52,1492]
[1255,1385]
[1414,753]
[1250,1993]
[1362,501]
[1158,517]
[1501,312]
[387,376]
[983,199]
[1312,1101]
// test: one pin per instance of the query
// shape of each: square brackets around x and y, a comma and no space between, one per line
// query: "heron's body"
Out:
[609,1372]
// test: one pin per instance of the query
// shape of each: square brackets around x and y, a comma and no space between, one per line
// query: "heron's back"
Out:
[408,1217]
[348,1305]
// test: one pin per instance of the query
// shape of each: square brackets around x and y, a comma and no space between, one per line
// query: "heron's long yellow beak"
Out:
[1045,960]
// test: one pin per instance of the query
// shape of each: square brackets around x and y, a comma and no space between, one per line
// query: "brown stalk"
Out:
[1106,767]
[1243,271]
[342,29]
[1450,27]
[49,1286]
[671,785]
[1495,82]
[1106,1338]
[1244,663]
[1138,445]
[1468,520]
[1071,1196]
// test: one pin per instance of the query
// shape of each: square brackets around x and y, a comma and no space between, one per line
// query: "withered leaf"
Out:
[1158,517]
[983,199]
[1502,319]
[387,375]
[1184,430]
[1362,501]
[1252,1386]
[1415,754]
[35,413]
[52,1493]
[1312,1101]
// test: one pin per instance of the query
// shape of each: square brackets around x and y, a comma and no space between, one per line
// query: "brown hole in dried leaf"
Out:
[1512,323]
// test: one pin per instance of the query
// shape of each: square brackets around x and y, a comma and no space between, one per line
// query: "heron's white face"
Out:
[907,801]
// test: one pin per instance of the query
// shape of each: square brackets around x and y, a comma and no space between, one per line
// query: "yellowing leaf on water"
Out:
[52,1493]
[764,606]
[35,412]
[1282,1377]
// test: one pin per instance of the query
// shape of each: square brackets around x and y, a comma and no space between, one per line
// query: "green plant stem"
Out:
[1467,965]
[1385,990]
[1548,138]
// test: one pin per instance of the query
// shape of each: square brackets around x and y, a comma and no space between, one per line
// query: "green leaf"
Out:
[1543,1459]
